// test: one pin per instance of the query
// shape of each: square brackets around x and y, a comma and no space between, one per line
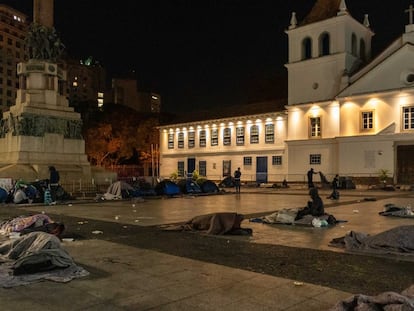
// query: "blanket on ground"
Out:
[33,257]
[215,224]
[384,301]
[399,240]
[397,211]
[20,223]
[288,216]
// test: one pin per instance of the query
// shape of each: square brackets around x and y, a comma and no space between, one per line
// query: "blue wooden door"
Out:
[261,170]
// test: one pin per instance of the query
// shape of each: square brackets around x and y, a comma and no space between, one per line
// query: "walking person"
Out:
[237,175]
[310,174]
[53,182]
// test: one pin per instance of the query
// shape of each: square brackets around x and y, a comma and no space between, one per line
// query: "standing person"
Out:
[310,178]
[53,182]
[237,175]
[335,194]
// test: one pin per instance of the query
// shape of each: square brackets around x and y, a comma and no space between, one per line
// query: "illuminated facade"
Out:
[215,148]
[346,113]
[13,29]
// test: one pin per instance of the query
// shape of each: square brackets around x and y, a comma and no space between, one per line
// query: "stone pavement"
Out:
[128,278]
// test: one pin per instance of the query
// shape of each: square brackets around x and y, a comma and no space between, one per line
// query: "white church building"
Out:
[346,113]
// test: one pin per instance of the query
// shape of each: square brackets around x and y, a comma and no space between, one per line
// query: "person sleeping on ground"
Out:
[27,224]
[214,224]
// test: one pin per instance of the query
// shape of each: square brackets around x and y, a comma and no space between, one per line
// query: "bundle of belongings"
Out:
[397,241]
[33,252]
[384,301]
[215,224]
[391,209]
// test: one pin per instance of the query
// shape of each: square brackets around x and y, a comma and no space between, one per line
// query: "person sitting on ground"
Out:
[335,194]
[314,207]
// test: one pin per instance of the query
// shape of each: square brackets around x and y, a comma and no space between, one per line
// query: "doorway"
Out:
[405,164]
[261,170]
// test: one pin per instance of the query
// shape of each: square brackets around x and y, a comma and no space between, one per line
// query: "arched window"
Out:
[354,45]
[307,48]
[362,52]
[324,44]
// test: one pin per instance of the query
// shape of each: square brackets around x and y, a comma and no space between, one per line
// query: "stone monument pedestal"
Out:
[41,129]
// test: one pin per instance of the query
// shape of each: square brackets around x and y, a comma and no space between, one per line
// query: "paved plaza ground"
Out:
[134,265]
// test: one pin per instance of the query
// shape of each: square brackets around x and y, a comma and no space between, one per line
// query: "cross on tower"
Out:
[410,12]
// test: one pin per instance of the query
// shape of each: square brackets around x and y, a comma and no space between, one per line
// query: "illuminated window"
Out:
[202,138]
[240,136]
[408,118]
[202,168]
[214,137]
[180,142]
[254,134]
[247,161]
[180,168]
[367,120]
[227,136]
[171,141]
[270,133]
[191,139]
[315,127]
[276,160]
[314,159]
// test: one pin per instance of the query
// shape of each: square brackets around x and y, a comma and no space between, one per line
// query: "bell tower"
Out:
[324,49]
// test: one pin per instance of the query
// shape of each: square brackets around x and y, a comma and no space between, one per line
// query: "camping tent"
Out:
[209,186]
[189,186]
[167,187]
[120,190]
[3,195]
[227,182]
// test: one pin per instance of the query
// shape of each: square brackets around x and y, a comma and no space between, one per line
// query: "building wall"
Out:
[236,154]
[13,29]
[318,77]
[84,82]
[364,115]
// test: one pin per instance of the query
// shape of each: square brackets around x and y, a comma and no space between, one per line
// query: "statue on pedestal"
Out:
[43,43]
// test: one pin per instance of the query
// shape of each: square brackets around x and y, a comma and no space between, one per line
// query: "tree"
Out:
[120,135]
[101,143]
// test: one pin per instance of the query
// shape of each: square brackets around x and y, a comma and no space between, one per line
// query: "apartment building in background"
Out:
[13,29]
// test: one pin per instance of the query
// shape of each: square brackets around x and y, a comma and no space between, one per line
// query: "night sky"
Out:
[200,53]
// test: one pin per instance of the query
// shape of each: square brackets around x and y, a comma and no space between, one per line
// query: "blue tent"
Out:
[167,187]
[3,195]
[189,186]
[209,187]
